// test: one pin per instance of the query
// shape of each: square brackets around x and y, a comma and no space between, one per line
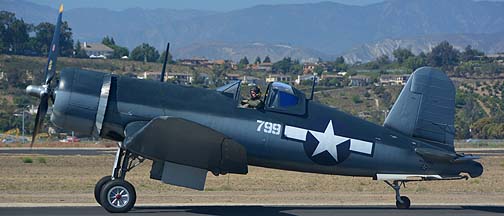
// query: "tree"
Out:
[283,65]
[339,64]
[145,52]
[244,61]
[443,55]
[170,58]
[257,60]
[415,62]
[6,20]
[108,41]
[267,59]
[383,60]
[318,70]
[470,53]
[43,38]
[340,60]
[402,55]
[19,36]
[13,33]
[79,52]
[119,51]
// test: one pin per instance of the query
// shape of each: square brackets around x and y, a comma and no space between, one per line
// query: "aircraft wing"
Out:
[187,143]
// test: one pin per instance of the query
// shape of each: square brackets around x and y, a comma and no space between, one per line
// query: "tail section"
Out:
[425,109]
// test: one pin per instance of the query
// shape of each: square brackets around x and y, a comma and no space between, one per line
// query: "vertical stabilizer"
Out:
[425,109]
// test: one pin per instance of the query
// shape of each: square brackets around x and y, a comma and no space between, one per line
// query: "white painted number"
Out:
[268,127]
[261,123]
[276,129]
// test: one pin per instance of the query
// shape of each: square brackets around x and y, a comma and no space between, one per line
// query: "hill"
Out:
[490,43]
[327,27]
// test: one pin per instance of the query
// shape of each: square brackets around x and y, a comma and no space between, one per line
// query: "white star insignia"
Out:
[328,141]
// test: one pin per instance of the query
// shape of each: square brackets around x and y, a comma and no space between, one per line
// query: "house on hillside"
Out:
[278,78]
[308,77]
[266,67]
[390,80]
[332,76]
[251,80]
[184,78]
[359,80]
[195,61]
[97,50]
[232,77]
[153,75]
[309,68]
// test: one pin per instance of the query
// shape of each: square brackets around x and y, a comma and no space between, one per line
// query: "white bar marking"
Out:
[295,133]
[361,146]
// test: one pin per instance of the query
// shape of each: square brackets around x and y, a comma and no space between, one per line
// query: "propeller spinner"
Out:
[44,92]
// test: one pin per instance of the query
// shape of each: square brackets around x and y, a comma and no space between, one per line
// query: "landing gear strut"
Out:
[402,202]
[114,193]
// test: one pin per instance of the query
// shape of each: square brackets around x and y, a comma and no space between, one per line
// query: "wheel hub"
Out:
[118,196]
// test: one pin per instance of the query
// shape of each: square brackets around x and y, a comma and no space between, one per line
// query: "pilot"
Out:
[254,101]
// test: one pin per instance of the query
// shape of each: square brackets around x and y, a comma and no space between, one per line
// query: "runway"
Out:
[59,151]
[103,151]
[266,210]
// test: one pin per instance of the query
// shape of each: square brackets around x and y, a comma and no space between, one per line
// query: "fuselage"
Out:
[133,100]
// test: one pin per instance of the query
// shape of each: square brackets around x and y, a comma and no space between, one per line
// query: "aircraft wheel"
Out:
[118,196]
[406,203]
[99,186]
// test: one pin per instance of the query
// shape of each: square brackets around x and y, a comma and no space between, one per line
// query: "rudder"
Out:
[425,109]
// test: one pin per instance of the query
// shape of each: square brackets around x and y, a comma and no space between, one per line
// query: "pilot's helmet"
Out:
[255,90]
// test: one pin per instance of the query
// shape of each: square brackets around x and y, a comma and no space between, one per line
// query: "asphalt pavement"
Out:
[265,210]
[59,151]
[102,151]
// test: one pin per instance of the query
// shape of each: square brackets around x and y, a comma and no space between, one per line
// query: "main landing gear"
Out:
[402,202]
[114,193]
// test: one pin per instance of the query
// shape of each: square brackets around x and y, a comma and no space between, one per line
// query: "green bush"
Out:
[356,99]
[27,160]
[41,160]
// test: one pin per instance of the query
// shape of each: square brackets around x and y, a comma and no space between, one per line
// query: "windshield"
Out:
[230,89]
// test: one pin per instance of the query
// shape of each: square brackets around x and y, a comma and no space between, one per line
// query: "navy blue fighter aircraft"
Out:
[189,131]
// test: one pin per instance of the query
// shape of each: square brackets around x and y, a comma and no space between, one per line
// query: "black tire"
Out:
[406,203]
[99,186]
[113,204]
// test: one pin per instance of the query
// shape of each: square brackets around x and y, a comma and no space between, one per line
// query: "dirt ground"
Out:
[71,179]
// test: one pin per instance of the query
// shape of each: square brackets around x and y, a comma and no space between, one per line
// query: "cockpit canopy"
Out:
[280,97]
[284,98]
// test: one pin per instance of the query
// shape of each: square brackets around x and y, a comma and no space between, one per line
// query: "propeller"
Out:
[45,92]
[163,72]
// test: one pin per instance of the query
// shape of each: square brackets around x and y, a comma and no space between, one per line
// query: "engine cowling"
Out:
[77,100]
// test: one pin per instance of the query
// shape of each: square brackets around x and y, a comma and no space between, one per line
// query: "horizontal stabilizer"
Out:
[425,108]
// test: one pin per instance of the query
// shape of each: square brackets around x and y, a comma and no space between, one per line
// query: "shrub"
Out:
[41,160]
[27,160]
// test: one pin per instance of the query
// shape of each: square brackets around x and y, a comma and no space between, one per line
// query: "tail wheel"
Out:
[118,196]
[405,203]
[99,186]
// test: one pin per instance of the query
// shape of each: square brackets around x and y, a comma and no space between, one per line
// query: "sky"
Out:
[212,5]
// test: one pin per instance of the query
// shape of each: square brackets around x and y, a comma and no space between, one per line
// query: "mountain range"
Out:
[303,31]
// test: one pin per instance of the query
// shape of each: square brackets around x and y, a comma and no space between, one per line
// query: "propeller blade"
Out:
[39,119]
[53,51]
[163,72]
